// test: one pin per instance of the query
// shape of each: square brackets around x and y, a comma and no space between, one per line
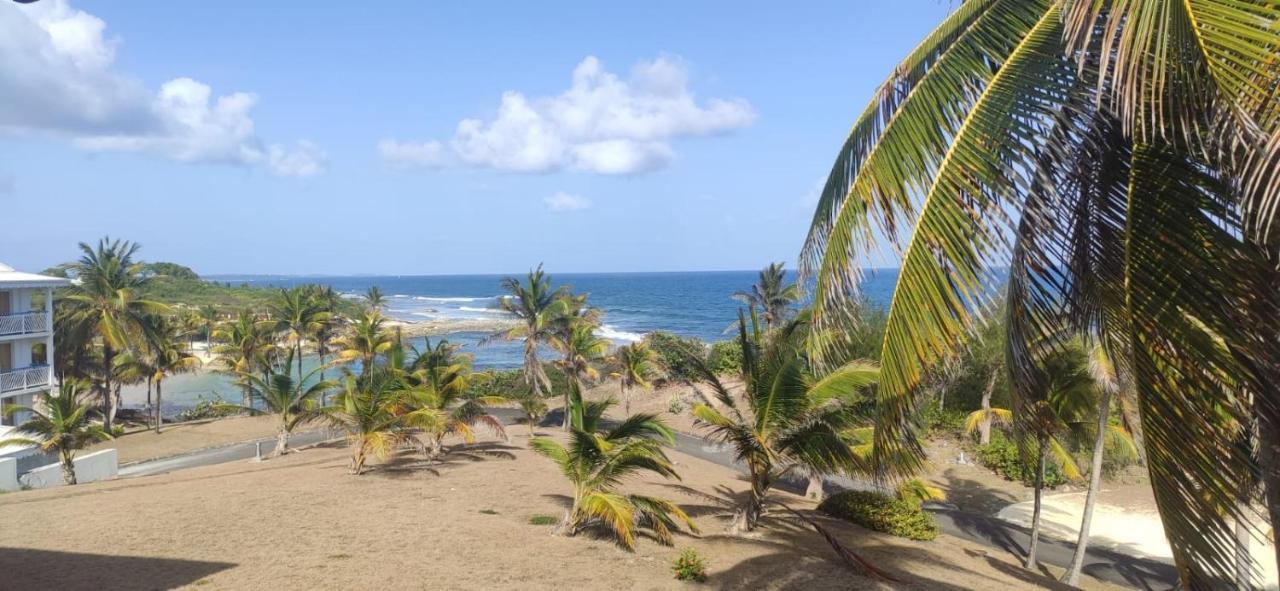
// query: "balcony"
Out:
[24,378]
[24,323]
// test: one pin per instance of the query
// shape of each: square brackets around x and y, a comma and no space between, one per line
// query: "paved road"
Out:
[1107,565]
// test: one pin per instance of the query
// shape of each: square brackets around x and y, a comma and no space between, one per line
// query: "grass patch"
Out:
[338,556]
[488,511]
[689,566]
[543,520]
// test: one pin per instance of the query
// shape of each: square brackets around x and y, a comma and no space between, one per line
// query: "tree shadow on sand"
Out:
[70,571]
[409,462]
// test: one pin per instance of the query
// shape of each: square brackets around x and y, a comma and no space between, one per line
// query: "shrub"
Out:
[1002,456]
[543,520]
[690,567]
[940,422]
[725,357]
[882,513]
[916,492]
[675,405]
[206,408]
[673,352]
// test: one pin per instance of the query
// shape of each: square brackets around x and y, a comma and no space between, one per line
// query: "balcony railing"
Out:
[23,378]
[24,323]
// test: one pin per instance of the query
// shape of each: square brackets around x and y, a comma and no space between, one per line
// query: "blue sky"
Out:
[603,137]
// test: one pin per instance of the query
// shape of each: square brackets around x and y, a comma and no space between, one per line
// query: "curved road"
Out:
[1141,573]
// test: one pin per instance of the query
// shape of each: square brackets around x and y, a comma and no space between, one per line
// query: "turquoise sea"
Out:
[694,304]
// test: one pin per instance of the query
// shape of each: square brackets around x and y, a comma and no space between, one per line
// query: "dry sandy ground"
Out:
[300,522]
[184,437]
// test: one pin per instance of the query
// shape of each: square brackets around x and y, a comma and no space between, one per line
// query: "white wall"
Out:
[99,465]
[9,474]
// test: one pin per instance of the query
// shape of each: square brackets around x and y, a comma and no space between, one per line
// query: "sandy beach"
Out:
[302,522]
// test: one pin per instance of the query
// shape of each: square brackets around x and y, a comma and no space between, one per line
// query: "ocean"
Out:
[691,304]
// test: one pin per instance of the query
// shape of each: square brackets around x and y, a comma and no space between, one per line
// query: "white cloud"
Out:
[601,124]
[305,159]
[56,78]
[411,154]
[562,201]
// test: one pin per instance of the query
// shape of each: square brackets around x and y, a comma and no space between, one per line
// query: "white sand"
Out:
[1133,532]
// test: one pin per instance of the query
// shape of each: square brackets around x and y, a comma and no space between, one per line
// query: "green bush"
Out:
[1002,456]
[882,513]
[673,351]
[206,408]
[940,422]
[690,567]
[725,357]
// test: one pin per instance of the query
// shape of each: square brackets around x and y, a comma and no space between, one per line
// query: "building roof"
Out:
[10,279]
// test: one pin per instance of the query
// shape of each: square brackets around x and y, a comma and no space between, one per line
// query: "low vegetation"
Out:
[690,566]
[882,513]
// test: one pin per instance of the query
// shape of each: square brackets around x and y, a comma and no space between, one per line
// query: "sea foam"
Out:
[612,333]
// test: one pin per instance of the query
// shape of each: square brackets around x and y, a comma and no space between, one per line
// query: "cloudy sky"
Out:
[422,138]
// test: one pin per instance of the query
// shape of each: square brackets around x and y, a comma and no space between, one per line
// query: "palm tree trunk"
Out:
[1035,514]
[1072,576]
[108,361]
[984,428]
[159,406]
[299,360]
[282,442]
[1244,565]
[68,469]
[626,399]
[115,401]
[246,395]
[747,517]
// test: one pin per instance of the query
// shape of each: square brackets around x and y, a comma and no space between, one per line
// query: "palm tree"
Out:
[287,397]
[324,333]
[167,359]
[209,319]
[299,314]
[242,346]
[596,461]
[365,341]
[58,424]
[575,337]
[442,378]
[772,295]
[537,306]
[797,418]
[369,410]
[107,301]
[637,365]
[1121,159]
[373,296]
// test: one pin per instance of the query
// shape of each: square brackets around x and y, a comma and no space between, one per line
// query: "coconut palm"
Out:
[537,307]
[167,359]
[443,377]
[771,294]
[575,337]
[209,319]
[328,326]
[107,302]
[370,410]
[1120,157]
[364,341]
[796,417]
[299,314]
[290,398]
[637,366]
[58,424]
[596,461]
[374,298]
[242,346]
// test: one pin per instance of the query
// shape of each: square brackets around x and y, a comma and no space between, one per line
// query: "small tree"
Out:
[369,410]
[596,461]
[291,400]
[637,367]
[58,424]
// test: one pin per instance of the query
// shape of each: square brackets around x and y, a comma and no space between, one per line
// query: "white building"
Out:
[26,338]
